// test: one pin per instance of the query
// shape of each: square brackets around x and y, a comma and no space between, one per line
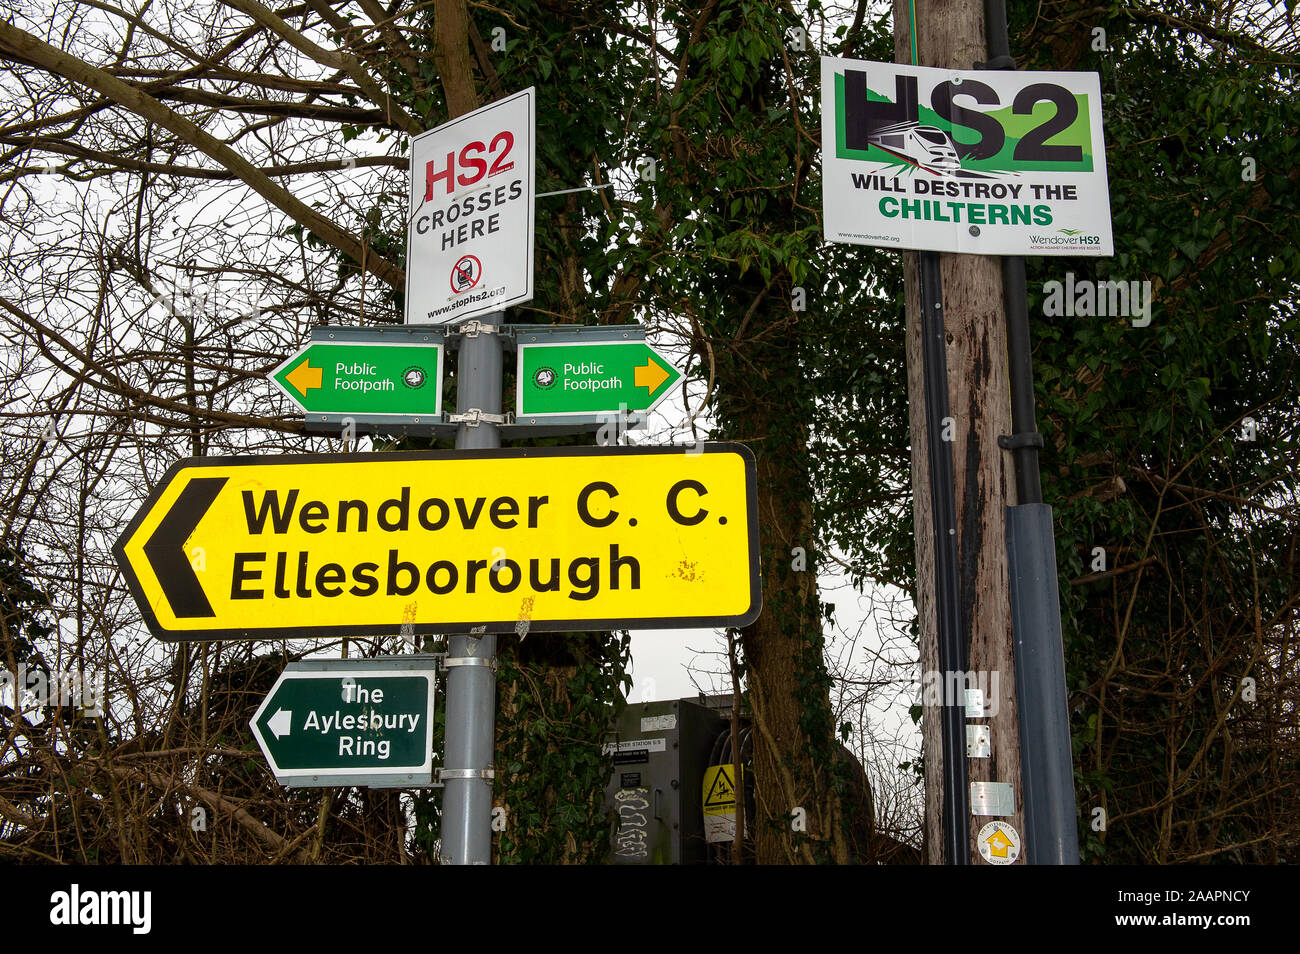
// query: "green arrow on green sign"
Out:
[372,725]
[379,379]
[557,379]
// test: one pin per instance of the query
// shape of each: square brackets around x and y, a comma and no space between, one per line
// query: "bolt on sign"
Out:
[990,162]
[350,722]
[518,539]
[470,231]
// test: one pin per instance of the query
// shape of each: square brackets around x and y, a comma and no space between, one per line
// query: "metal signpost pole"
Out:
[1047,764]
[471,660]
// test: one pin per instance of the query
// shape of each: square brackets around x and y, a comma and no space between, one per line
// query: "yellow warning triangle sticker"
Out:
[722,793]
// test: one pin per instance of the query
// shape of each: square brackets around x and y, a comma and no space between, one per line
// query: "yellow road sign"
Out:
[521,539]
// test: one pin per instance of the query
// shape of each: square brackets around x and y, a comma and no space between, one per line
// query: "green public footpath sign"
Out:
[317,726]
[377,379]
[557,379]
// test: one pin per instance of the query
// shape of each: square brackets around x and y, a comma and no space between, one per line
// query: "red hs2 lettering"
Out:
[473,163]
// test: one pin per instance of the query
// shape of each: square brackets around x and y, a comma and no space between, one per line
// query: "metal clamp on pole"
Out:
[474,417]
[1017,441]
[442,774]
[473,328]
[451,662]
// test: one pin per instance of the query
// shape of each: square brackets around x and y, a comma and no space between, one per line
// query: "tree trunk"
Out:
[452,57]
[798,780]
[950,33]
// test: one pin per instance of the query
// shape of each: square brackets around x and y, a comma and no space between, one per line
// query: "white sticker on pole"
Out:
[984,162]
[999,843]
[470,233]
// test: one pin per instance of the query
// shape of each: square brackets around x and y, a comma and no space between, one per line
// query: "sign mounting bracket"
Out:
[475,416]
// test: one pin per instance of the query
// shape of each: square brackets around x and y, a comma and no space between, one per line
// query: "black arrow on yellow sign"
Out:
[166,548]
[535,539]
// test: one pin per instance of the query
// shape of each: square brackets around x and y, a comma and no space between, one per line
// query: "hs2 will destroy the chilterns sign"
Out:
[989,163]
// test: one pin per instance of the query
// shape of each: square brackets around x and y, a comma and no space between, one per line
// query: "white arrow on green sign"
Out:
[388,379]
[348,725]
[572,378]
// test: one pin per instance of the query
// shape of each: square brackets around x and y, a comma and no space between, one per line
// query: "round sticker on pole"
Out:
[999,843]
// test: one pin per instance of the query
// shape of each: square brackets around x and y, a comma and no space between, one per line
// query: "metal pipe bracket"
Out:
[452,662]
[1017,441]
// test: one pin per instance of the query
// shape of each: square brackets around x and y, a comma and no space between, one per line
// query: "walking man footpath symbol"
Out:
[466,273]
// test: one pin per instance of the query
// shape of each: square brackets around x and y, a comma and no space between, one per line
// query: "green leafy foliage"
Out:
[23,620]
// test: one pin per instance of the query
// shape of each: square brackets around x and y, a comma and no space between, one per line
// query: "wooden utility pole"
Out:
[950,34]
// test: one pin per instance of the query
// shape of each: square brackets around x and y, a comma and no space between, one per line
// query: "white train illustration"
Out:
[926,146]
